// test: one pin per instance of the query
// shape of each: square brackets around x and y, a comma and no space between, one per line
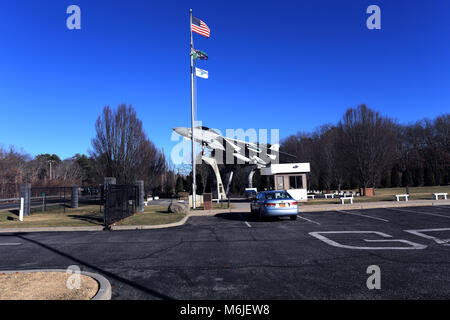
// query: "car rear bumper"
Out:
[280,211]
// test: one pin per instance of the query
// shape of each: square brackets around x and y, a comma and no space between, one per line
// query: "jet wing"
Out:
[214,144]
[258,160]
[234,143]
[251,160]
[231,143]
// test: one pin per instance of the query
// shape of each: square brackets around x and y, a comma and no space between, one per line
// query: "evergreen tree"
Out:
[406,178]
[86,164]
[199,184]
[429,177]
[187,183]
[418,177]
[209,184]
[395,177]
[179,185]
[386,180]
[439,177]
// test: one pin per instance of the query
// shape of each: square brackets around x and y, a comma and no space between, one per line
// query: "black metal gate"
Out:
[120,202]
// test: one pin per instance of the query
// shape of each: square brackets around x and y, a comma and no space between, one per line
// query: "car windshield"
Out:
[277,195]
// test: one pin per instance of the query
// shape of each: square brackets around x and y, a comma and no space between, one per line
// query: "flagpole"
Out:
[194,202]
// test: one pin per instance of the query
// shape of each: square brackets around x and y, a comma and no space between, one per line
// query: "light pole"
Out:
[194,184]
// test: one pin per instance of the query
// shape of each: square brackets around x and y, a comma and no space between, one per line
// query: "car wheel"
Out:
[293,217]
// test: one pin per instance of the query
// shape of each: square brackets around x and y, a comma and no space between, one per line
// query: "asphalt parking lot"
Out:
[321,255]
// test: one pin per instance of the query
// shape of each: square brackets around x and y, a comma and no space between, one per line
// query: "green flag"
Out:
[197,54]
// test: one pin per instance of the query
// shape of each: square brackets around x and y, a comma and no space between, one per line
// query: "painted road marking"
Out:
[307,219]
[363,215]
[413,245]
[427,213]
[248,224]
[421,233]
[10,244]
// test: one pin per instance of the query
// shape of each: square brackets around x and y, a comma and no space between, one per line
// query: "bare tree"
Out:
[153,168]
[118,144]
[121,149]
[203,171]
[330,159]
[68,172]
[304,146]
[13,165]
[368,143]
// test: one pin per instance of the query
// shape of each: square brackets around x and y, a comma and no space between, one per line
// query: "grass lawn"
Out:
[217,206]
[152,215]
[83,217]
[387,194]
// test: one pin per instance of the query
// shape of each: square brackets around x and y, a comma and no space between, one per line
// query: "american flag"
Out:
[198,26]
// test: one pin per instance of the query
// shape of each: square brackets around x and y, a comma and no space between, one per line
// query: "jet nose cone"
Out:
[177,130]
[182,131]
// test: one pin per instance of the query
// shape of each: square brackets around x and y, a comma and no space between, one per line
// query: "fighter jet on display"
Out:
[243,150]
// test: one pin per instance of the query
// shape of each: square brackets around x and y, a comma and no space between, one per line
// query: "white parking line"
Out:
[423,233]
[412,245]
[426,213]
[10,244]
[363,215]
[248,224]
[307,219]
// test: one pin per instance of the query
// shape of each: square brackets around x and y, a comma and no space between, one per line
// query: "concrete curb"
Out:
[196,213]
[208,213]
[50,229]
[104,292]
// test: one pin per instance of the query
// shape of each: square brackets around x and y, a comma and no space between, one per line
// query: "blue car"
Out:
[274,203]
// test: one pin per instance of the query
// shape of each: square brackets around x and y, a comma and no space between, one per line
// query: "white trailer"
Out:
[290,177]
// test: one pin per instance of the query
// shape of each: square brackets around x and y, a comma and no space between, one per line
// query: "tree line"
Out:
[363,150]
[366,149]
[17,167]
[120,149]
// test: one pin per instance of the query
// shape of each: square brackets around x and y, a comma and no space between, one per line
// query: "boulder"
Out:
[178,207]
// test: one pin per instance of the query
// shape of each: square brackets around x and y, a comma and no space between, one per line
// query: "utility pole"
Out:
[50,163]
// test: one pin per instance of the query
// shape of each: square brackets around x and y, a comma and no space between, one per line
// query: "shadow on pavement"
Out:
[246,216]
[107,274]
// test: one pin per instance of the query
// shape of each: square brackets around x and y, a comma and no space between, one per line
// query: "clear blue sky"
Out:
[292,65]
